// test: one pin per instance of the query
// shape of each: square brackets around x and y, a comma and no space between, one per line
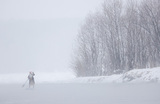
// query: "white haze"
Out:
[38,35]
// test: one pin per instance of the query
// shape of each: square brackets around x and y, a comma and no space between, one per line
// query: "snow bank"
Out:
[142,75]
[99,79]
[133,76]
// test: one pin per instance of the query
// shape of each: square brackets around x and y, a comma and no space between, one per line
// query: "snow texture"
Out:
[80,93]
[133,76]
[64,88]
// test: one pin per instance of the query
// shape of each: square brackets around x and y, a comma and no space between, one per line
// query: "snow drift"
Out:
[142,75]
[133,76]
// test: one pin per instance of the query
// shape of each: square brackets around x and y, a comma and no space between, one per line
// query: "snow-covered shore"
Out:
[133,76]
[65,88]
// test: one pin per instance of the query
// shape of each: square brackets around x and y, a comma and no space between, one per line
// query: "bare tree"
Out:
[119,38]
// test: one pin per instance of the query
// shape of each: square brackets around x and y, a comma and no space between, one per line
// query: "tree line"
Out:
[119,37]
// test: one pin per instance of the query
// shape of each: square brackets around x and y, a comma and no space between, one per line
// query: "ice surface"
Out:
[71,93]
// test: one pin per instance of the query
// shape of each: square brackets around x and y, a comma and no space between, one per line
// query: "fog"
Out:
[39,35]
[36,45]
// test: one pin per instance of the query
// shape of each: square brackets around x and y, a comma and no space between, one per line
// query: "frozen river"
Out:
[81,94]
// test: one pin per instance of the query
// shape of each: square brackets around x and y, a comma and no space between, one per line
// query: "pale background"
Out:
[39,35]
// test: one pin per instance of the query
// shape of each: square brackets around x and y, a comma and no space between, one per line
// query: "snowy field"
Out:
[134,87]
[79,93]
[133,76]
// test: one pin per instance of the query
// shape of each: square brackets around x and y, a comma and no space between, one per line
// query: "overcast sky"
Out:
[38,35]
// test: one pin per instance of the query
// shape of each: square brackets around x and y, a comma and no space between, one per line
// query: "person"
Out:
[31,79]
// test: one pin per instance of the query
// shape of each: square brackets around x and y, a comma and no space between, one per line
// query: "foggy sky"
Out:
[38,35]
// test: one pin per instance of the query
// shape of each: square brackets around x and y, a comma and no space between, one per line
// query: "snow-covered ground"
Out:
[64,88]
[80,93]
[133,76]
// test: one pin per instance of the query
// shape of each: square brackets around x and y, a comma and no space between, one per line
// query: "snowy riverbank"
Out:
[133,76]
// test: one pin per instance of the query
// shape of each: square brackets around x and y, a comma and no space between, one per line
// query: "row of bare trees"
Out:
[121,36]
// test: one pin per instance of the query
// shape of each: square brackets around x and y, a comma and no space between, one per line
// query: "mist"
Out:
[36,45]
[39,35]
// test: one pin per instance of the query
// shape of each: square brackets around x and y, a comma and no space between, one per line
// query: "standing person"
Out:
[31,79]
